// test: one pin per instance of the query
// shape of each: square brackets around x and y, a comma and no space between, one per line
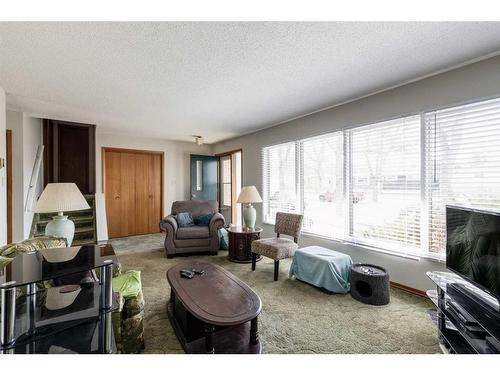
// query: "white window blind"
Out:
[280,185]
[385,191]
[323,185]
[463,162]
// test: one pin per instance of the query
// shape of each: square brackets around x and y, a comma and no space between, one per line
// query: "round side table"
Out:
[240,243]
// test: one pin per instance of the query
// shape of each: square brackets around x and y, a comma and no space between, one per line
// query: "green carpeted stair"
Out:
[85,223]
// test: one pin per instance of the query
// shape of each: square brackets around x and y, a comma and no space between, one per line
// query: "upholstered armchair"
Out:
[193,239]
[279,248]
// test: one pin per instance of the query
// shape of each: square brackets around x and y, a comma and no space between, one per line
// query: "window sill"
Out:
[428,256]
[435,258]
[383,251]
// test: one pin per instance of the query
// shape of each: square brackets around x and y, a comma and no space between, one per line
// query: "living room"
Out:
[250,187]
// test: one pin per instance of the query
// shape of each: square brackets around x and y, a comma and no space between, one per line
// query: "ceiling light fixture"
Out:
[198,139]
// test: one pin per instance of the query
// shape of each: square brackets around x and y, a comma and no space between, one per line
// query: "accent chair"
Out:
[279,248]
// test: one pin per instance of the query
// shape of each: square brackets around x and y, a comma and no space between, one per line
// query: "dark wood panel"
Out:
[69,154]
[73,155]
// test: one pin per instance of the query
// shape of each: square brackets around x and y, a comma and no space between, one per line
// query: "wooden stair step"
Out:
[76,219]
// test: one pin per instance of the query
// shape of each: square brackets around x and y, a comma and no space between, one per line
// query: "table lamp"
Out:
[249,195]
[60,198]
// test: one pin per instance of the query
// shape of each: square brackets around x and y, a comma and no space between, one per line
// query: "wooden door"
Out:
[113,192]
[142,165]
[155,192]
[128,202]
[133,191]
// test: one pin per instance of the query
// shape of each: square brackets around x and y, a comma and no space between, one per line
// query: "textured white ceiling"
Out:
[218,80]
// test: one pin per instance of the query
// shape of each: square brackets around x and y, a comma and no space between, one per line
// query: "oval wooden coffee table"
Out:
[215,312]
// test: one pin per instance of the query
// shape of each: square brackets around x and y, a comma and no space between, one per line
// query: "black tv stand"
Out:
[468,319]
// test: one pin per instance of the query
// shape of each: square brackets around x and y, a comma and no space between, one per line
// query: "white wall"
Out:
[176,161]
[3,175]
[26,137]
[476,81]
[32,138]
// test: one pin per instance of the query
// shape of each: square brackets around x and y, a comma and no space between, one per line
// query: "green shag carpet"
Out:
[296,317]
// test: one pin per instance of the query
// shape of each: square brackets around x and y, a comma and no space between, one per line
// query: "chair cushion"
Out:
[224,239]
[203,219]
[197,231]
[184,219]
[274,248]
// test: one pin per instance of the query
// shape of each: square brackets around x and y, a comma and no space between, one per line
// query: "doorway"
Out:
[230,181]
[133,191]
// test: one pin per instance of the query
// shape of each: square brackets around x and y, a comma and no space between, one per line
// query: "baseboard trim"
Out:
[408,289]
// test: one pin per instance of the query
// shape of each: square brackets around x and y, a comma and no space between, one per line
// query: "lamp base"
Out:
[61,226]
[249,216]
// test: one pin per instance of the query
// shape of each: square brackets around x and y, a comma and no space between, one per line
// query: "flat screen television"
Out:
[473,246]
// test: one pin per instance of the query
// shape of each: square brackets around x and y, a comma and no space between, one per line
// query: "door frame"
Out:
[134,151]
[233,182]
[8,142]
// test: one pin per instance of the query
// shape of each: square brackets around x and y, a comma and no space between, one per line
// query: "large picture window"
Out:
[386,185]
[323,185]
[463,162]
[280,180]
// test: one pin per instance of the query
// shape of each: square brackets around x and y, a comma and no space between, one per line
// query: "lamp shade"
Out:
[249,194]
[61,197]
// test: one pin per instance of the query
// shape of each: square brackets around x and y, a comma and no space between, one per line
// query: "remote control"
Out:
[187,274]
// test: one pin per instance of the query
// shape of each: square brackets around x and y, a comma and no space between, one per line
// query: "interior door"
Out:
[133,191]
[142,193]
[113,192]
[128,203]
[203,177]
[155,193]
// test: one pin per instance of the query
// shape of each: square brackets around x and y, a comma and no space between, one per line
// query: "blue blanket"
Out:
[322,268]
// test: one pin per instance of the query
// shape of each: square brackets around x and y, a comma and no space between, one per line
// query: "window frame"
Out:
[347,238]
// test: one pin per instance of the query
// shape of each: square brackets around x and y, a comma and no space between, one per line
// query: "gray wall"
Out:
[476,81]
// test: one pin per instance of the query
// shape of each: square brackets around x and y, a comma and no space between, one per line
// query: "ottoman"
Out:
[322,267]
[370,284]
